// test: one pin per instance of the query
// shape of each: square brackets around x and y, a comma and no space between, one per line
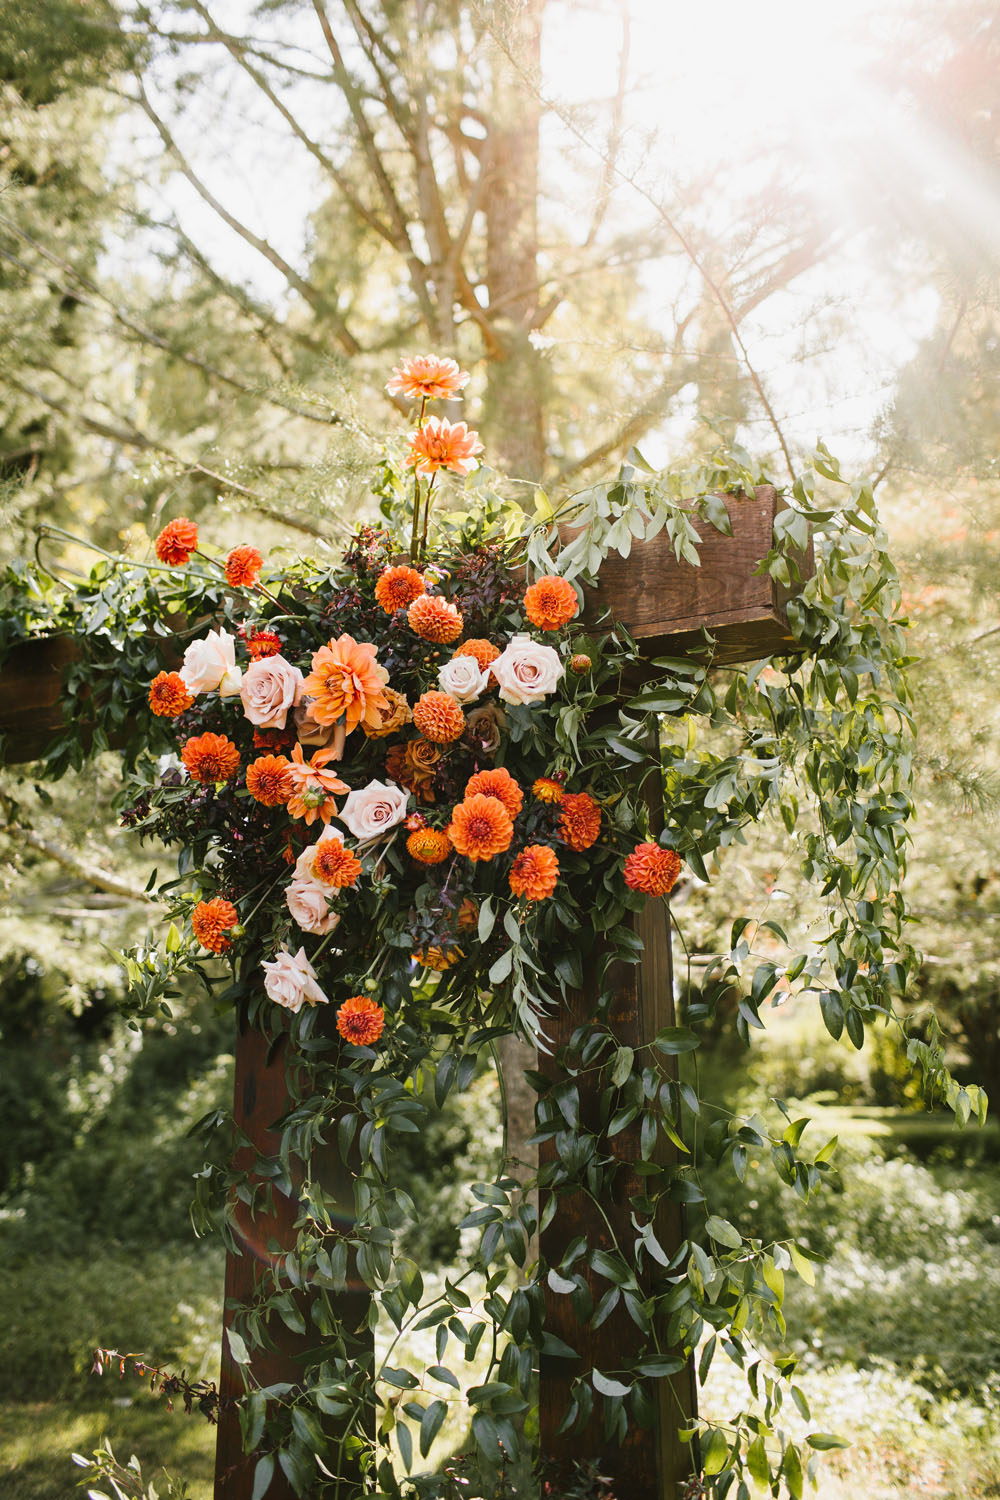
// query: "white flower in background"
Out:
[290,980]
[374,809]
[463,678]
[527,671]
[209,662]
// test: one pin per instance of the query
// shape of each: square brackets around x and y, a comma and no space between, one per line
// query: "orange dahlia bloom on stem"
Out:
[481,827]
[169,695]
[434,619]
[212,921]
[428,846]
[398,587]
[268,781]
[334,865]
[429,377]
[547,789]
[534,873]
[652,870]
[551,602]
[313,787]
[360,1021]
[438,717]
[500,784]
[441,444]
[579,820]
[346,682]
[263,643]
[243,567]
[176,542]
[211,757]
[484,652]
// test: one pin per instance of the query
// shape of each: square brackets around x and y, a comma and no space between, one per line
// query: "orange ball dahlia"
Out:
[434,619]
[169,695]
[211,757]
[551,602]
[438,717]
[481,827]
[547,789]
[500,784]
[211,922]
[652,870]
[580,664]
[176,542]
[346,682]
[243,567]
[398,587]
[334,865]
[263,643]
[360,1021]
[429,377]
[579,820]
[441,444]
[428,846]
[268,781]
[484,652]
[534,873]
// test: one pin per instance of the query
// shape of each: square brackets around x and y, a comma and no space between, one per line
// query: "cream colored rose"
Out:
[207,663]
[463,678]
[306,900]
[526,671]
[374,809]
[309,732]
[270,688]
[290,980]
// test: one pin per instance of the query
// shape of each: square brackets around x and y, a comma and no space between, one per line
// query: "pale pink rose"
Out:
[306,900]
[463,678]
[307,729]
[207,663]
[270,688]
[290,980]
[526,671]
[374,809]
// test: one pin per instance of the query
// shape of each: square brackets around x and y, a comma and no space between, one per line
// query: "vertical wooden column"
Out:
[651,1464]
[260,1097]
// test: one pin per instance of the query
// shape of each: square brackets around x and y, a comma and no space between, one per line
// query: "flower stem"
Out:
[415,529]
[427,518]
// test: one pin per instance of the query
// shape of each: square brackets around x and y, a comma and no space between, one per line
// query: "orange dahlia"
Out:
[441,444]
[438,717]
[485,652]
[481,827]
[313,787]
[434,619]
[438,958]
[428,846]
[360,1021]
[499,784]
[579,820]
[243,567]
[334,865]
[169,695]
[398,587]
[211,921]
[429,377]
[534,873]
[547,789]
[468,915]
[652,870]
[263,643]
[211,757]
[346,682]
[176,542]
[551,602]
[268,781]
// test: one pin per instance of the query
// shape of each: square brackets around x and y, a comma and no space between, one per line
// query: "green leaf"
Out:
[823,1441]
[237,1347]
[262,1475]
[724,1232]
[173,939]
[430,1425]
[715,1452]
[486,919]
[757,1464]
[832,1009]
[624,1058]
[608,1387]
[801,1264]
[675,1039]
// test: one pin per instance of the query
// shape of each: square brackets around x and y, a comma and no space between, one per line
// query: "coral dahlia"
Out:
[212,921]
[360,1021]
[347,683]
[268,781]
[176,542]
[579,820]
[428,846]
[500,784]
[243,567]
[481,827]
[169,695]
[429,377]
[398,587]
[434,619]
[441,444]
[551,602]
[484,652]
[438,717]
[313,787]
[211,757]
[263,643]
[534,873]
[652,870]
[547,789]
[334,865]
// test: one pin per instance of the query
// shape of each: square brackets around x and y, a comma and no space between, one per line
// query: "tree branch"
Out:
[101,880]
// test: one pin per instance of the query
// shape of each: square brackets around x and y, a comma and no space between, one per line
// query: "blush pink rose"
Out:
[463,678]
[527,671]
[374,809]
[270,688]
[210,663]
[306,900]
[290,980]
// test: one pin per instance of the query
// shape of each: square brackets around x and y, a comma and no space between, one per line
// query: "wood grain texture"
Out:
[31,697]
